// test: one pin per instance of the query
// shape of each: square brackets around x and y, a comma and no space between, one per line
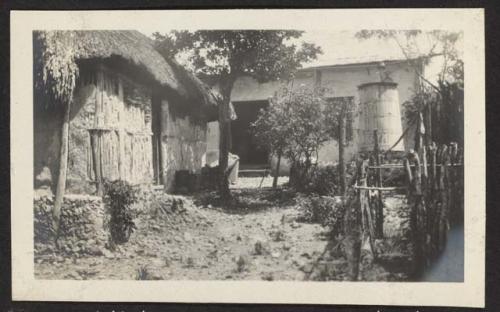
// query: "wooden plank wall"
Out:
[121,130]
[183,147]
[116,114]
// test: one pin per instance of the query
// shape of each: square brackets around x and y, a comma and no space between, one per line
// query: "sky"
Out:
[342,47]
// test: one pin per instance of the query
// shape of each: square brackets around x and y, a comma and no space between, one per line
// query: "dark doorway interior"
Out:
[243,142]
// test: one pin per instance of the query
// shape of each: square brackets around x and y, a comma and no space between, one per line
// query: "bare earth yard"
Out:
[260,240]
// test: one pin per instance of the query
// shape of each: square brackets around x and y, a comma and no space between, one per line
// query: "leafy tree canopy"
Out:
[224,55]
[263,54]
[419,44]
[299,121]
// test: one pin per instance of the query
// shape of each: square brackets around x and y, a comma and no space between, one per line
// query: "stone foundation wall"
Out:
[81,226]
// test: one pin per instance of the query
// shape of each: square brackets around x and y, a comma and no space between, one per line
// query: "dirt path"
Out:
[258,239]
[204,243]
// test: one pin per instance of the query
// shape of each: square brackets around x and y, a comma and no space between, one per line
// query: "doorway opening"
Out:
[244,144]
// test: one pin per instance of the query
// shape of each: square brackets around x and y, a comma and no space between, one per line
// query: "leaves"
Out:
[263,54]
[119,197]
[418,44]
[224,55]
[298,122]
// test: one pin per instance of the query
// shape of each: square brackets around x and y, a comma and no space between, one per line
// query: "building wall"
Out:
[118,110]
[80,174]
[340,81]
[184,144]
[46,138]
[344,81]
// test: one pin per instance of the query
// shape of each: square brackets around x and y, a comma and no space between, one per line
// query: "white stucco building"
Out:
[341,80]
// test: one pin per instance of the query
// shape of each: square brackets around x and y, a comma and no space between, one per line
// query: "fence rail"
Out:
[434,189]
[396,166]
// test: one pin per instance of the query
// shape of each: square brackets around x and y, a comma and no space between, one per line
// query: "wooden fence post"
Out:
[342,140]
[379,211]
[352,226]
[430,199]
[417,214]
[444,185]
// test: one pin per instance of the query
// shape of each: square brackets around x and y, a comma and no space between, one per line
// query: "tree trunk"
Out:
[225,137]
[277,172]
[293,174]
[342,142]
[63,166]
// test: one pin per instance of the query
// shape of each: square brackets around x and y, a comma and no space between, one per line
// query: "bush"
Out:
[322,181]
[328,211]
[119,197]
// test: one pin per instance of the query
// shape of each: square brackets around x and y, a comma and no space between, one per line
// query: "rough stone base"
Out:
[81,226]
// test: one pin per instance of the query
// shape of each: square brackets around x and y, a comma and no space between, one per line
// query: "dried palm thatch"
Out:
[57,53]
[196,87]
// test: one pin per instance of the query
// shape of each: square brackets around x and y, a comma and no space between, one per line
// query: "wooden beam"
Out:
[96,159]
[342,144]
[95,136]
[379,214]
[121,130]
[377,188]
[63,167]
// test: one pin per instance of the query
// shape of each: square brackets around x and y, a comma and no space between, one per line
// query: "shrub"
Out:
[119,197]
[322,181]
[328,211]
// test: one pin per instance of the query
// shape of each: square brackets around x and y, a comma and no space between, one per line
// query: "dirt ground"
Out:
[261,240]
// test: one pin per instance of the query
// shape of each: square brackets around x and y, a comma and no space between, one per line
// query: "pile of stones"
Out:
[81,228]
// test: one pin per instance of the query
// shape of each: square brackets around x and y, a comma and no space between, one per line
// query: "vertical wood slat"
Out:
[368,220]
[431,193]
[121,139]
[353,224]
[96,155]
[95,135]
[379,216]
[417,210]
[121,131]
[443,189]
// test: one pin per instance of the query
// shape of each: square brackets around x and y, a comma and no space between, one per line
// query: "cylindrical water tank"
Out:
[379,110]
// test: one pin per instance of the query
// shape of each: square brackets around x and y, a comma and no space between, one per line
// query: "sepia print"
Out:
[247,154]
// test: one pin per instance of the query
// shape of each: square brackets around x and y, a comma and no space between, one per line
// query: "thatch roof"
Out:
[57,54]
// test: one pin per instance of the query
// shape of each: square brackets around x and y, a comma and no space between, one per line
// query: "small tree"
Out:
[339,115]
[225,55]
[271,130]
[295,125]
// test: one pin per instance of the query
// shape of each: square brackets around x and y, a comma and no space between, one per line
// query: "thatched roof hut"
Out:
[59,53]
[134,115]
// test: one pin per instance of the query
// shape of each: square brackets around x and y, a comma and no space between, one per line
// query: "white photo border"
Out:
[469,293]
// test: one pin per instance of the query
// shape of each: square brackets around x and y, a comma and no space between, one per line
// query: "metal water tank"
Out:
[379,110]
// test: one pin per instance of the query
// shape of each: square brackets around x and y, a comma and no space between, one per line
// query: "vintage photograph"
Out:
[248,155]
